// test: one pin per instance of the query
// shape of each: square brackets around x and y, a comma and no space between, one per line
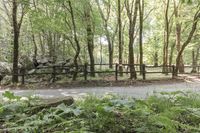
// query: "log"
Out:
[49,103]
[55,102]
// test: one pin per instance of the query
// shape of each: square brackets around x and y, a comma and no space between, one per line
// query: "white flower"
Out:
[24,99]
[5,99]
[14,100]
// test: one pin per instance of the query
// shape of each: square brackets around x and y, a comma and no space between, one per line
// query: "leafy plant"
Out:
[162,112]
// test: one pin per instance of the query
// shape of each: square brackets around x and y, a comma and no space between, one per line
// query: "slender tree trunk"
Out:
[166,38]
[178,47]
[156,59]
[109,36]
[101,53]
[141,14]
[195,60]
[120,39]
[35,47]
[76,41]
[90,39]
[42,47]
[110,48]
[185,44]
[132,24]
[178,36]
[171,54]
[16,31]
[50,45]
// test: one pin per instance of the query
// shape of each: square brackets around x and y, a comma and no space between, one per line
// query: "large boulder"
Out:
[6,80]
[5,67]
[26,62]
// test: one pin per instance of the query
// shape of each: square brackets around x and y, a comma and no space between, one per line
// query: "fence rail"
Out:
[85,70]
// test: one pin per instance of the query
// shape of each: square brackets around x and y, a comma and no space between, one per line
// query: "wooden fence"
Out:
[85,71]
[143,70]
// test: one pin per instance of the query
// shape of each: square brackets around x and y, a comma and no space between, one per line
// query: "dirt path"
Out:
[133,91]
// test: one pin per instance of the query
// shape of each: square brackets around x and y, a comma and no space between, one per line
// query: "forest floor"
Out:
[137,89]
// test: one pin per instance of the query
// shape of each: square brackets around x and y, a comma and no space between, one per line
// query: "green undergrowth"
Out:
[160,113]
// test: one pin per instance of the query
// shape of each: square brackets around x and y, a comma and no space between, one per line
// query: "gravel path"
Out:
[133,91]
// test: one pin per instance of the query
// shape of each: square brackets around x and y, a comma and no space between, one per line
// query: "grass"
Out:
[164,112]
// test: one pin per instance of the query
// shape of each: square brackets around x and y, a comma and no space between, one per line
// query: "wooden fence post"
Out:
[54,74]
[173,72]
[85,71]
[144,71]
[23,75]
[116,72]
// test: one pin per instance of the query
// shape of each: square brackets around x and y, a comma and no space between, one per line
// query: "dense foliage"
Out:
[163,112]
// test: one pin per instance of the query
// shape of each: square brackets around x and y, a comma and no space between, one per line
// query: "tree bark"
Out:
[16,31]
[42,47]
[110,37]
[141,14]
[171,54]
[178,36]
[156,59]
[35,47]
[185,44]
[90,38]
[120,39]
[166,38]
[195,58]
[76,41]
[132,15]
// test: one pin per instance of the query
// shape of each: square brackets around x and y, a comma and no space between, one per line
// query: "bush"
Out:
[164,112]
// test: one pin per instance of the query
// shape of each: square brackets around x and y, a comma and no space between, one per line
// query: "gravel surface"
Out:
[131,91]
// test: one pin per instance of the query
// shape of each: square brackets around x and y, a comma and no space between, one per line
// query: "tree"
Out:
[141,14]
[71,10]
[16,34]
[90,35]
[178,33]
[166,37]
[132,16]
[109,36]
[120,38]
[189,38]
[195,57]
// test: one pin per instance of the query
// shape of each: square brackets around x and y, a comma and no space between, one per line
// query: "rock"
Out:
[26,62]
[6,80]
[5,67]
[32,71]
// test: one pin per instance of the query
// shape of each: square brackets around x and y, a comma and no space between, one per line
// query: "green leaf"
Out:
[10,95]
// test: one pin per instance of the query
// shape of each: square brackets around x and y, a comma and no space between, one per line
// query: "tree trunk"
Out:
[132,24]
[195,60]
[35,47]
[109,37]
[166,38]
[156,59]
[178,46]
[171,55]
[141,13]
[120,39]
[76,41]
[180,66]
[90,39]
[50,45]
[101,53]
[16,31]
[185,44]
[42,47]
